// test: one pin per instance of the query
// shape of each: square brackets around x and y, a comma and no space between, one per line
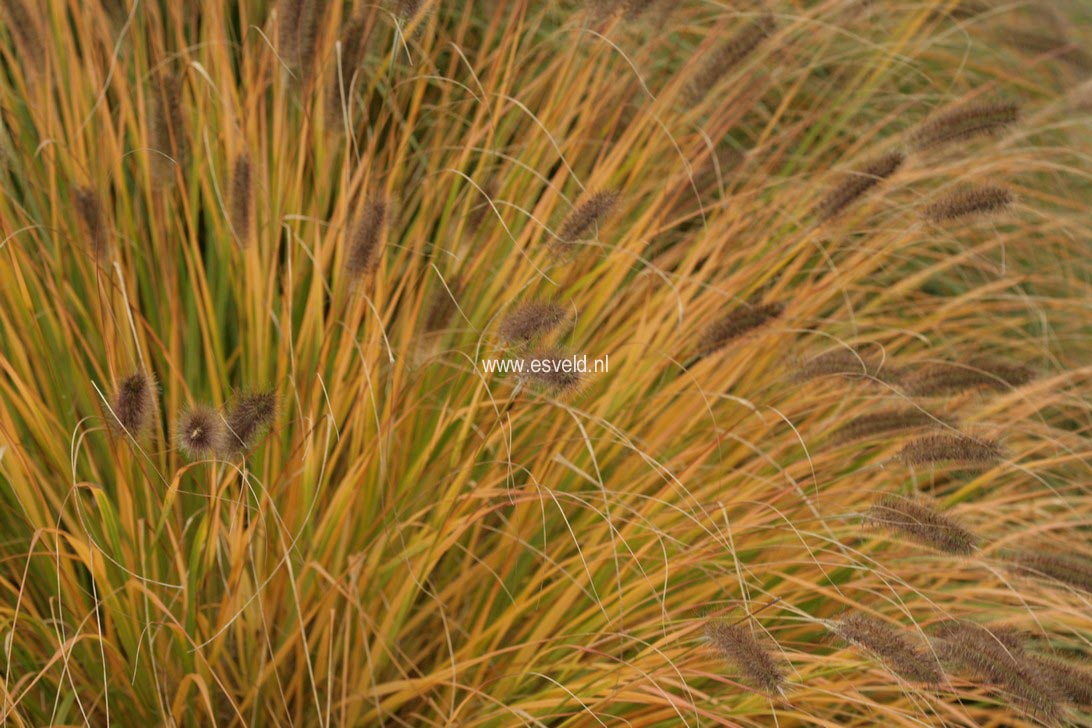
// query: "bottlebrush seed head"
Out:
[240,198]
[587,214]
[89,208]
[948,448]
[530,320]
[368,237]
[248,417]
[730,54]
[201,432]
[134,404]
[854,186]
[738,645]
[918,520]
[968,202]
[961,124]
[889,644]
[738,322]
[552,373]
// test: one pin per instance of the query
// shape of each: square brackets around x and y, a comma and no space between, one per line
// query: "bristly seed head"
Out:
[1063,568]
[964,123]
[729,55]
[1001,662]
[948,448]
[900,655]
[530,320]
[89,208]
[967,202]
[738,645]
[947,378]
[134,403]
[918,520]
[587,214]
[1073,682]
[354,40]
[167,127]
[886,422]
[846,363]
[23,24]
[552,371]
[289,12]
[858,183]
[308,29]
[248,417]
[740,321]
[240,198]
[201,431]
[367,238]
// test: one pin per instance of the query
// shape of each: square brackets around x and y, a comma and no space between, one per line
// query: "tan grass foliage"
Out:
[254,257]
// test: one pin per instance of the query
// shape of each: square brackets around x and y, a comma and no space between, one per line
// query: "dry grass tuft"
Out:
[409,531]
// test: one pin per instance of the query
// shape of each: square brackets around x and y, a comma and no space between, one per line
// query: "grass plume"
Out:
[548,371]
[1072,682]
[134,403]
[1063,568]
[169,144]
[950,448]
[977,650]
[730,54]
[93,217]
[858,183]
[368,237]
[586,215]
[918,520]
[886,422]
[895,649]
[964,123]
[241,201]
[247,418]
[946,378]
[201,432]
[738,645]
[969,202]
[840,362]
[530,320]
[741,320]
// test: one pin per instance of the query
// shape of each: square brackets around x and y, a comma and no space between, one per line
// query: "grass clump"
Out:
[361,205]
